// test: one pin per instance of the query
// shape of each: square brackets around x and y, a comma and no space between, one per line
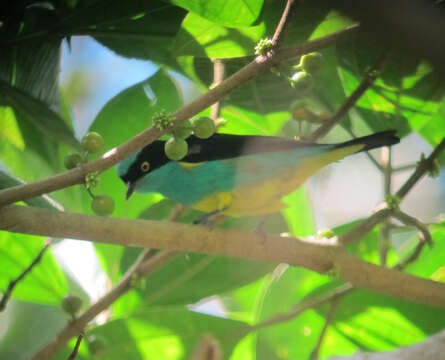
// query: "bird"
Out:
[237,175]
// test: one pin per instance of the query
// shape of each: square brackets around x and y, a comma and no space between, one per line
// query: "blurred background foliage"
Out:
[67,66]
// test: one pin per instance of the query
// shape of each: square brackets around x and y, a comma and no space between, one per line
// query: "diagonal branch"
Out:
[12,284]
[283,25]
[114,156]
[141,267]
[364,85]
[421,170]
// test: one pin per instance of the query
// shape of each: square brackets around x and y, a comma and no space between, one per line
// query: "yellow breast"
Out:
[265,197]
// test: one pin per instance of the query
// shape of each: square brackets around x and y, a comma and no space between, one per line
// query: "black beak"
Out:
[131,186]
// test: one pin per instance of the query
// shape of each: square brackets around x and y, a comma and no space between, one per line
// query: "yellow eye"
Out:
[145,166]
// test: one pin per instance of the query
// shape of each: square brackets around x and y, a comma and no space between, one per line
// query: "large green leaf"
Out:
[233,13]
[45,284]
[165,333]
[296,338]
[202,37]
[407,95]
[299,213]
[148,35]
[39,114]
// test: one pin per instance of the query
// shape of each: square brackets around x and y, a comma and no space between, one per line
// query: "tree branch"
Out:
[12,284]
[283,25]
[240,244]
[76,347]
[141,267]
[423,168]
[332,309]
[114,156]
[364,85]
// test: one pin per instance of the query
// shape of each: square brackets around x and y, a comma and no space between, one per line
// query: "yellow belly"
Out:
[265,197]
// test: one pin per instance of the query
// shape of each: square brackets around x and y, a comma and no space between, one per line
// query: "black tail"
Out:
[384,138]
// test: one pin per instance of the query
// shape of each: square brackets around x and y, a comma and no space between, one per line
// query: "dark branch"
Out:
[423,168]
[13,283]
[364,85]
[283,25]
[76,347]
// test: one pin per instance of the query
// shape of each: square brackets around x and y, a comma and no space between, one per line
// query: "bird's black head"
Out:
[134,168]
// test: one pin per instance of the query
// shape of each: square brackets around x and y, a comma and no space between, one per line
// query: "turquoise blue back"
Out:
[189,185]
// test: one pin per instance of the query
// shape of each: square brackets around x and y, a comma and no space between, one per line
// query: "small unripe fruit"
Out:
[203,127]
[71,304]
[72,160]
[301,81]
[103,205]
[312,63]
[175,148]
[92,142]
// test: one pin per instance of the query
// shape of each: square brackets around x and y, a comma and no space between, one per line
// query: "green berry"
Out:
[92,142]
[312,63]
[96,344]
[183,131]
[203,127]
[175,148]
[71,304]
[103,205]
[301,81]
[72,160]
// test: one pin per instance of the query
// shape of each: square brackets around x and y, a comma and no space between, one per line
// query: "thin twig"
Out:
[76,347]
[114,156]
[364,227]
[421,170]
[218,77]
[332,309]
[125,284]
[302,307]
[283,25]
[12,284]
[404,167]
[146,263]
[364,85]
[424,233]
[333,295]
[385,230]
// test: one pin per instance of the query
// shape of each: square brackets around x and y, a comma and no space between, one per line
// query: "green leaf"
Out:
[148,35]
[244,122]
[45,284]
[165,332]
[376,322]
[299,213]
[202,37]
[33,68]
[295,338]
[37,112]
[233,13]
[191,277]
